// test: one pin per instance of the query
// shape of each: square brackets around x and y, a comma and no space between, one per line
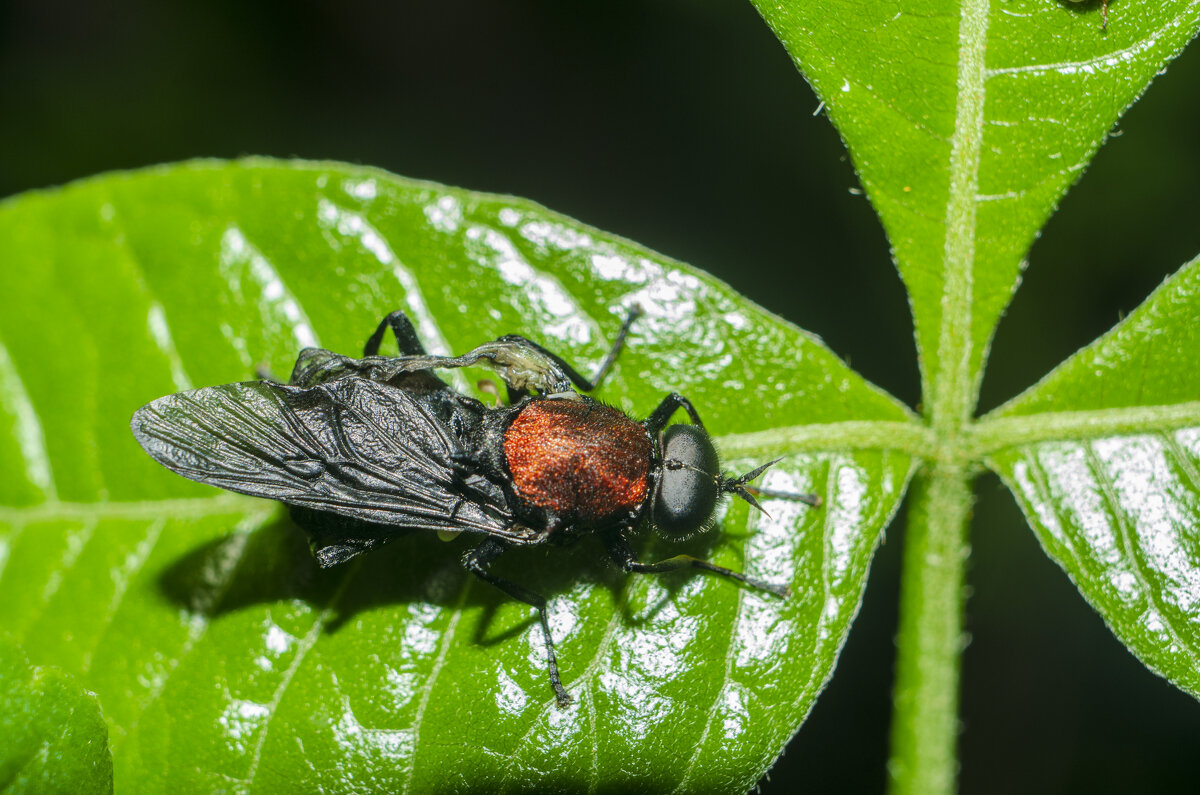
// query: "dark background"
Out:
[684,126]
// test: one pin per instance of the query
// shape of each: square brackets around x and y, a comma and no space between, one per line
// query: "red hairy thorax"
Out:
[579,458]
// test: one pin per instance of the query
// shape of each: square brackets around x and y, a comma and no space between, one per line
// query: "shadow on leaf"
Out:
[273,563]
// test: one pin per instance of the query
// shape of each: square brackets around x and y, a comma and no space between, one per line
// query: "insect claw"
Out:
[782,591]
[748,497]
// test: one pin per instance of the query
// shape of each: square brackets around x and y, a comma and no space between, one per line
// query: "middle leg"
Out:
[623,556]
[477,562]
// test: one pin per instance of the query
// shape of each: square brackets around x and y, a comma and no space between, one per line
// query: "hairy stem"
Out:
[925,721]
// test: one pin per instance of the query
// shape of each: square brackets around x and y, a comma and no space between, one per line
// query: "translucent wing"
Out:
[522,365]
[353,447]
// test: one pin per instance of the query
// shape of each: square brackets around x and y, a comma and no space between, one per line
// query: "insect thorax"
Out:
[581,459]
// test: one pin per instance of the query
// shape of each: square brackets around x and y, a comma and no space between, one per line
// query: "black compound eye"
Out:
[687,487]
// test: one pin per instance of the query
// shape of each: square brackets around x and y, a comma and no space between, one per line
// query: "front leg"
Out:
[622,555]
[477,562]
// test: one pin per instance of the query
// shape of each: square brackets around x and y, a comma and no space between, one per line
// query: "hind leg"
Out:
[406,336]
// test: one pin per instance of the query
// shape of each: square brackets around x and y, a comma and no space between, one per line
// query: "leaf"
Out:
[966,122]
[54,737]
[1104,457]
[224,658]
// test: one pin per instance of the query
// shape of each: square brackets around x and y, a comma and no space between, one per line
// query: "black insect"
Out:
[361,449]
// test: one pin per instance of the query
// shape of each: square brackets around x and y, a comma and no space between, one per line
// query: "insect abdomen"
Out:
[579,458]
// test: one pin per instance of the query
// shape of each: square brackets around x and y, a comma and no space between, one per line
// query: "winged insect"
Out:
[363,449]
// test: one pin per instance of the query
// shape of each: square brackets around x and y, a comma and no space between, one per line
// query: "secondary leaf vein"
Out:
[1129,541]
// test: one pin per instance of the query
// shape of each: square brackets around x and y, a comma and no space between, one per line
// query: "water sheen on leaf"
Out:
[1105,462]
[223,658]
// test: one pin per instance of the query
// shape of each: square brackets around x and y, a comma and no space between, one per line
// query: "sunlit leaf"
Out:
[1104,457]
[224,658]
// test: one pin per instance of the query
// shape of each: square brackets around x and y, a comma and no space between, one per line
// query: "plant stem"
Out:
[925,718]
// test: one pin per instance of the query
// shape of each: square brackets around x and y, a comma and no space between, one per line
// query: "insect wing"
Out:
[318,366]
[352,446]
[523,367]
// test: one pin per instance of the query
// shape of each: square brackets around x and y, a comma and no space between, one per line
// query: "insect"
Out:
[1103,11]
[362,449]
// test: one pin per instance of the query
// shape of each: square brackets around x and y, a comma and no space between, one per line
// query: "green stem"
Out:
[925,720]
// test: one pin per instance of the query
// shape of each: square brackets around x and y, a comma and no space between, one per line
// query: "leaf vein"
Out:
[144,548]
[587,674]
[828,497]
[198,624]
[302,650]
[182,508]
[1148,43]
[1127,536]
[431,680]
[1185,461]
[725,678]
[27,430]
[997,432]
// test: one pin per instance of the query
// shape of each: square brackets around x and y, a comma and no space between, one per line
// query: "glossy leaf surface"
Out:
[1012,100]
[54,739]
[223,658]
[1105,462]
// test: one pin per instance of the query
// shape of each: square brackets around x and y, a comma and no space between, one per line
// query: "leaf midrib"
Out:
[952,389]
[982,439]
[175,507]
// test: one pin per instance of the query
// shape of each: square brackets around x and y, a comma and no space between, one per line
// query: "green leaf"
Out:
[224,658]
[966,122]
[1104,457]
[54,737]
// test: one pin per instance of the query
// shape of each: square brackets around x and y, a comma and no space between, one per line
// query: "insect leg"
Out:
[670,404]
[406,336]
[477,561]
[579,380]
[623,556]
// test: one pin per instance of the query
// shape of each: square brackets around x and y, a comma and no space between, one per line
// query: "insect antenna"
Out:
[740,487]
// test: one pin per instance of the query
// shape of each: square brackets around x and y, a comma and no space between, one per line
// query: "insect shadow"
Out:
[272,564]
[1087,7]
